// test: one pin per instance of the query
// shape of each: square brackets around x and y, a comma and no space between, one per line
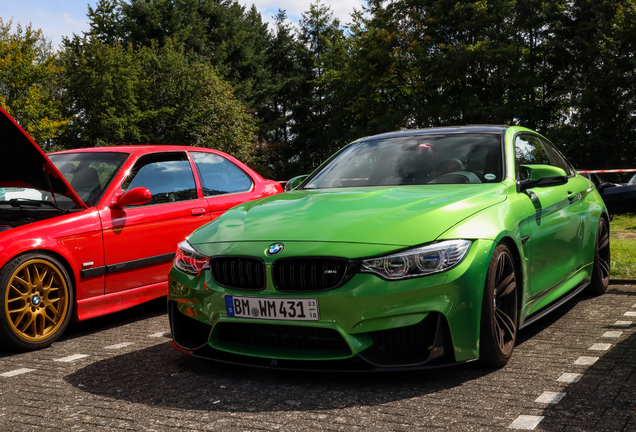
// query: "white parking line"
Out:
[587,361]
[16,372]
[71,358]
[612,334]
[634,306]
[630,313]
[158,335]
[549,397]
[600,347]
[569,377]
[526,422]
[622,324]
[119,345]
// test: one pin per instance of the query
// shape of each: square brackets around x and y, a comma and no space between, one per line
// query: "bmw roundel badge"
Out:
[275,249]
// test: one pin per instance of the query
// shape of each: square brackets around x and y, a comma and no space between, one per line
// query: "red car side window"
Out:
[168,177]
[220,176]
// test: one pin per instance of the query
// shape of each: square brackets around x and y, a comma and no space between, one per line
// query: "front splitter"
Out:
[354,364]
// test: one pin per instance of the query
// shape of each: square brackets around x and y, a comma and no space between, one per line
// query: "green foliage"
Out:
[29,91]
[316,127]
[223,32]
[150,95]
[623,246]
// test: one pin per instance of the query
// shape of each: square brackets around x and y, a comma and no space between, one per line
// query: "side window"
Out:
[220,176]
[168,176]
[528,151]
[557,158]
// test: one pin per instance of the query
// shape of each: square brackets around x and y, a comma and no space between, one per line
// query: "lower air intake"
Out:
[282,337]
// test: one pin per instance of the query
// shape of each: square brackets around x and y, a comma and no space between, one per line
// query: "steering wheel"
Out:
[457,177]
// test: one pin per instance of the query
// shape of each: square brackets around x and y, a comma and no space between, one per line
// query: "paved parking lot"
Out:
[572,371]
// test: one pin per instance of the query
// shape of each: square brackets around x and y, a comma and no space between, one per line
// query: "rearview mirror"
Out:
[135,196]
[542,175]
[295,182]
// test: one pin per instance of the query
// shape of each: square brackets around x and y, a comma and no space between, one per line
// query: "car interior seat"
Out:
[86,183]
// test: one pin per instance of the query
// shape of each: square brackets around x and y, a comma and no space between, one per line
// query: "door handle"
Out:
[198,212]
[573,196]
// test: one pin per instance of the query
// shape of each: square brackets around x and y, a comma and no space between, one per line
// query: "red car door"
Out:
[140,240]
[224,183]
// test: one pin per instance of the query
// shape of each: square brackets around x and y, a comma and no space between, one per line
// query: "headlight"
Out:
[189,260]
[421,261]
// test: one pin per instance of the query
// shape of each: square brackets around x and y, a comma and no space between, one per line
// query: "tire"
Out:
[601,270]
[36,298]
[499,310]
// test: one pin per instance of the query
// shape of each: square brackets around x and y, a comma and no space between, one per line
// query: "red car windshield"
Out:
[415,160]
[89,174]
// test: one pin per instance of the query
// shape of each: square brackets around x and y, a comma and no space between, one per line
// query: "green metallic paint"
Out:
[358,223]
[366,302]
[392,214]
[538,172]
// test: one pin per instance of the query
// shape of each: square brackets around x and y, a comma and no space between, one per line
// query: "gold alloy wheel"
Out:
[36,301]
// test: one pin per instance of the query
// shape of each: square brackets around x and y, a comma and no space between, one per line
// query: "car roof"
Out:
[441,130]
[134,148]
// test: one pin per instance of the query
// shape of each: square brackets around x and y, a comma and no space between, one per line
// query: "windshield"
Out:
[457,158]
[88,173]
[632,181]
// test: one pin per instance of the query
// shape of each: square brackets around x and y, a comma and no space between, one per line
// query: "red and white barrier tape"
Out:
[605,171]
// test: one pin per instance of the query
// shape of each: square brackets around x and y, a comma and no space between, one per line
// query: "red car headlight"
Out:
[189,260]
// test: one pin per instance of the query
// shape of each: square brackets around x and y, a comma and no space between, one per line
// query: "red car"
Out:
[88,232]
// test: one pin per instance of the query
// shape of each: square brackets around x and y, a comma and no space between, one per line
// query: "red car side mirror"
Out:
[135,196]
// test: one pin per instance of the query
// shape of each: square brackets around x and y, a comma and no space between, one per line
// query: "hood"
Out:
[24,164]
[401,215]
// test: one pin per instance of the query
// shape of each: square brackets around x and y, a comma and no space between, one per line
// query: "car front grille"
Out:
[238,272]
[284,338]
[309,274]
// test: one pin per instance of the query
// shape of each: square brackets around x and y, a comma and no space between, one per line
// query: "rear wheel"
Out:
[601,270]
[499,310]
[36,293]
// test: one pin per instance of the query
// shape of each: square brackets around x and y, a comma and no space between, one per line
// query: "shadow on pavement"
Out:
[74,330]
[143,311]
[162,376]
[604,399]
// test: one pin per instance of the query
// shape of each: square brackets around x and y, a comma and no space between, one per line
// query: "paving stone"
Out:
[149,386]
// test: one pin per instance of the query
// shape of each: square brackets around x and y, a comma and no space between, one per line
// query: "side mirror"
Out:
[605,185]
[295,182]
[542,175]
[134,196]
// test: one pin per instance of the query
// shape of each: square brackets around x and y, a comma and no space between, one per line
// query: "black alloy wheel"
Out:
[499,310]
[601,270]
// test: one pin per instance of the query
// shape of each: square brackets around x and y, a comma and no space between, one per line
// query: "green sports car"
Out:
[410,249]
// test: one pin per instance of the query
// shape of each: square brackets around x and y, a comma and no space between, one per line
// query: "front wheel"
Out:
[37,298]
[499,310]
[601,270]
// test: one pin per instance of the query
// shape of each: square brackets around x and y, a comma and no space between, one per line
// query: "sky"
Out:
[59,18]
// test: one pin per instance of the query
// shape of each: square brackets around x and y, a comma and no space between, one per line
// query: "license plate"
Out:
[292,309]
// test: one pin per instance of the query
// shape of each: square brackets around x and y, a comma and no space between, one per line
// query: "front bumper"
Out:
[366,324]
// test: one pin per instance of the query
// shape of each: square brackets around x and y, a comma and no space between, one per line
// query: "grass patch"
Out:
[623,246]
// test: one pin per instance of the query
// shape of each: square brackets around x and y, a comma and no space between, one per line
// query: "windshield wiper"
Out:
[18,202]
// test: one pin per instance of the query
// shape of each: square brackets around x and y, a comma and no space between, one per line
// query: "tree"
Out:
[223,32]
[150,95]
[316,135]
[29,82]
